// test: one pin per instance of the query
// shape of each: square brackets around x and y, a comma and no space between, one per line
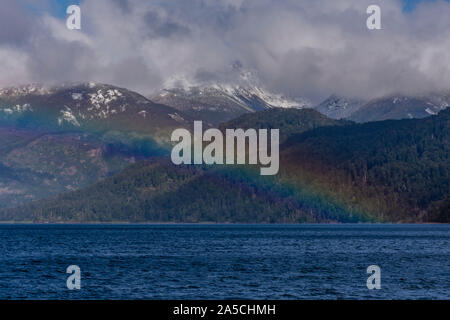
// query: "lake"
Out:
[225,261]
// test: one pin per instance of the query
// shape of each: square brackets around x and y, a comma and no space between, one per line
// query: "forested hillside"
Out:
[289,121]
[387,171]
[157,191]
[397,170]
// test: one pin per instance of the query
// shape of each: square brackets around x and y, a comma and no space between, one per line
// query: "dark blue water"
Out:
[225,261]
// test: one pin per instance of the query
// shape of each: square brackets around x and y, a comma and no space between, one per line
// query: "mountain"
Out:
[401,107]
[393,107]
[388,171]
[57,139]
[220,102]
[89,106]
[288,121]
[337,107]
[395,170]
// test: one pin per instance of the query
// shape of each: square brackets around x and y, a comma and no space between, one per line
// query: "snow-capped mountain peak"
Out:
[234,92]
[220,102]
[239,91]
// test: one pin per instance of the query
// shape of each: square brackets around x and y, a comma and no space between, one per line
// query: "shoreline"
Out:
[214,223]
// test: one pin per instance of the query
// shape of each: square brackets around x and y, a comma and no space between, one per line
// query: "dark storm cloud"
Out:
[124,5]
[15,26]
[297,47]
[157,26]
[133,72]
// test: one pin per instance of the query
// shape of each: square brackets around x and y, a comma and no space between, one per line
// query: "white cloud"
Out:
[298,47]
[13,67]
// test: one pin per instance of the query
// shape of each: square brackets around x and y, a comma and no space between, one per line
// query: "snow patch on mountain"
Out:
[77,96]
[439,101]
[104,97]
[67,115]
[17,108]
[176,117]
[36,89]
[429,111]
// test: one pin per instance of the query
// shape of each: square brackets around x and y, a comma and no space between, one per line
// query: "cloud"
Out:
[14,24]
[297,47]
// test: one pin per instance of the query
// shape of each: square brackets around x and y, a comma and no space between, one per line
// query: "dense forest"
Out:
[289,121]
[440,213]
[387,171]
[395,170]
[158,191]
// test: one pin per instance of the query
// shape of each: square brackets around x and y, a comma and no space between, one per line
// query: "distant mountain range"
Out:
[65,148]
[102,107]
[220,103]
[401,107]
[385,108]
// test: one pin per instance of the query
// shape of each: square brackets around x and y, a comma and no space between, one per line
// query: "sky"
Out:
[300,48]
[410,5]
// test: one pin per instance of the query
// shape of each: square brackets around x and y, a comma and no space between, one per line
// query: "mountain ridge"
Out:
[397,107]
[96,106]
[221,102]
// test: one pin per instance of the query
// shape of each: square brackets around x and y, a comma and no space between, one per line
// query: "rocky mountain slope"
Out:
[401,107]
[337,107]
